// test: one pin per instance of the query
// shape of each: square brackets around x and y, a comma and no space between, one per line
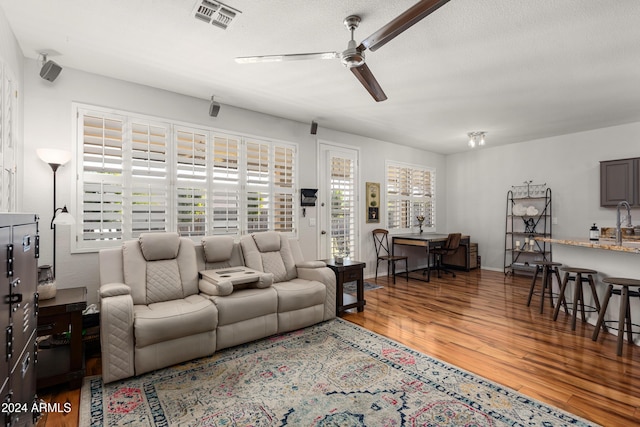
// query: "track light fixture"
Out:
[476,138]
[49,70]
[214,108]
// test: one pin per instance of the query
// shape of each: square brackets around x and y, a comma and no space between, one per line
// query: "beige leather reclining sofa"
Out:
[157,310]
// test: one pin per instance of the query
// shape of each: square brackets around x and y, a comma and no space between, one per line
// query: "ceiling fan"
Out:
[353,56]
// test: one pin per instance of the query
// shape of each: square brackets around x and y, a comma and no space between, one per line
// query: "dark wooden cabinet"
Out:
[619,181]
[465,258]
[61,357]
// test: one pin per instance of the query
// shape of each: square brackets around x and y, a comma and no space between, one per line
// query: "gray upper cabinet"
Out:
[619,181]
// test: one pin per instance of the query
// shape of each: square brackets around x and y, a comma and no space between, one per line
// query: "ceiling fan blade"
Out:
[402,23]
[287,57]
[364,74]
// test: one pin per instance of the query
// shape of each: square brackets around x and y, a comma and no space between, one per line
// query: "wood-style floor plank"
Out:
[479,322]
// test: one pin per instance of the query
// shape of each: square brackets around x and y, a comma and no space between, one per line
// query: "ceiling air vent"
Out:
[215,13]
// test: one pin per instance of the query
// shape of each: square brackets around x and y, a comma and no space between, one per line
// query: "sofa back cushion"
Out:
[160,267]
[269,252]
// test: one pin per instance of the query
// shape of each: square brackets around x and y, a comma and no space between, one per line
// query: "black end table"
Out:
[348,271]
[61,316]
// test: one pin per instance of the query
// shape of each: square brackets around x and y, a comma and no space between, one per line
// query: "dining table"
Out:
[427,241]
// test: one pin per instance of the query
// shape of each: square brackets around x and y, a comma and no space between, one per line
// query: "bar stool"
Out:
[548,269]
[624,316]
[580,276]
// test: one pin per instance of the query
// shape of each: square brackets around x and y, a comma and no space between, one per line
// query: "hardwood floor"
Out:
[479,321]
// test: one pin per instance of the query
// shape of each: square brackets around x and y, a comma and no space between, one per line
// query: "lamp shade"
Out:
[63,218]
[53,156]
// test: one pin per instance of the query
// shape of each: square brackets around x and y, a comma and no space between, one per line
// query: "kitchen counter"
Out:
[606,244]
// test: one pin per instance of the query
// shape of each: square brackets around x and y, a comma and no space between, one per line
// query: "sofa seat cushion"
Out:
[244,304]
[299,293]
[168,320]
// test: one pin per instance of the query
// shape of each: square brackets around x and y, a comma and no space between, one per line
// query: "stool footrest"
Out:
[587,308]
[606,322]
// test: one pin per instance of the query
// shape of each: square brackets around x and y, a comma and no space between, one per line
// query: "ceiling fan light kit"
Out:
[353,56]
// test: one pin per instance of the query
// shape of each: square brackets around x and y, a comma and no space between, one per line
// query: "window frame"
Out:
[185,195]
[415,204]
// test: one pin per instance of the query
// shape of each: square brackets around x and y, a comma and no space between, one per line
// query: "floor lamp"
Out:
[61,216]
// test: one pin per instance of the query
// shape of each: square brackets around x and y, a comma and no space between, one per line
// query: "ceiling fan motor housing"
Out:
[352,57]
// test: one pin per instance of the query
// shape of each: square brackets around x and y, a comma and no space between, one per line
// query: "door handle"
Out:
[323,232]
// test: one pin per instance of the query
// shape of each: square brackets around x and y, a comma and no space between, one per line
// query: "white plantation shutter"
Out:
[283,182]
[192,181]
[8,119]
[283,208]
[343,206]
[148,209]
[102,211]
[137,175]
[101,214]
[410,193]
[257,203]
[257,185]
[226,185]
[270,186]
[147,192]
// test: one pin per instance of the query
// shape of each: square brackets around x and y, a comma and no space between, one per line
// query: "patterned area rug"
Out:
[331,374]
[350,287]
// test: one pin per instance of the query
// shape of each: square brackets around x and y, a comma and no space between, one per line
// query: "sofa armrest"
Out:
[311,264]
[326,276]
[116,332]
[222,288]
[113,290]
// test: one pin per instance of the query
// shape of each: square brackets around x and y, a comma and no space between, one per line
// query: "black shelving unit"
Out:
[521,228]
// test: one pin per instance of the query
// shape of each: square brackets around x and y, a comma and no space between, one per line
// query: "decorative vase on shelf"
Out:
[46,283]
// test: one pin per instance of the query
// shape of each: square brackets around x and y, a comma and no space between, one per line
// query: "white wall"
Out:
[49,123]
[569,164]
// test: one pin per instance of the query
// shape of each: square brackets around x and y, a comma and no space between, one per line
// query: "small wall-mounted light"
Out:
[476,138]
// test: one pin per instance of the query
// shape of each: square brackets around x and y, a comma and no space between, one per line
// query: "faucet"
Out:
[618,221]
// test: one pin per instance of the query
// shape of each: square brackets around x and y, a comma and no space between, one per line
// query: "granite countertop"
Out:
[606,244]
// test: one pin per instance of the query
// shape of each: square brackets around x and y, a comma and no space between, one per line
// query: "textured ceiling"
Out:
[518,69]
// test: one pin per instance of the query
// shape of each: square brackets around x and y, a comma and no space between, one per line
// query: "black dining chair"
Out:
[449,248]
[381,242]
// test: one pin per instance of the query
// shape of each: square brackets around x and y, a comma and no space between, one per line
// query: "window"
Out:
[410,193]
[343,205]
[139,174]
